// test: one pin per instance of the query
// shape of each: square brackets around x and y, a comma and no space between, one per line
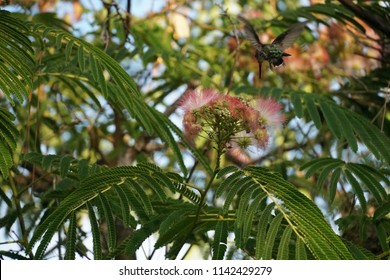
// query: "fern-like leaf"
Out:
[284,245]
[382,211]
[271,236]
[262,228]
[188,193]
[331,119]
[65,164]
[257,202]
[318,164]
[333,183]
[296,101]
[313,111]
[16,68]
[96,242]
[357,189]
[70,253]
[382,230]
[375,187]
[122,88]
[324,174]
[226,170]
[219,245]
[359,253]
[108,217]
[6,160]
[355,128]
[140,235]
[300,250]
[347,130]
[244,203]
[8,140]
[303,214]
[227,182]
[177,230]
[242,183]
[124,206]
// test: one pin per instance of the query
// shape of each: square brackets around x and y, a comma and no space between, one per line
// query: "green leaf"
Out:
[9,134]
[359,253]
[357,189]
[83,169]
[91,187]
[296,101]
[370,181]
[262,228]
[333,184]
[50,162]
[382,211]
[225,184]
[226,170]
[313,112]
[219,245]
[108,217]
[331,119]
[271,236]
[117,86]
[140,195]
[16,69]
[242,183]
[188,193]
[140,235]
[65,165]
[326,170]
[6,160]
[124,206]
[96,242]
[243,204]
[347,128]
[180,228]
[301,212]
[80,58]
[372,137]
[250,214]
[59,38]
[283,250]
[383,236]
[317,164]
[5,198]
[300,250]
[68,50]
[70,253]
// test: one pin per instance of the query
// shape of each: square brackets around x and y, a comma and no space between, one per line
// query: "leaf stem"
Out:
[19,211]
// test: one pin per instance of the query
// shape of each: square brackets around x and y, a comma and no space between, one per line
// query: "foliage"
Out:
[89,135]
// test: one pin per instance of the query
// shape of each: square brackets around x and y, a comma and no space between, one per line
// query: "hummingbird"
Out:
[274,52]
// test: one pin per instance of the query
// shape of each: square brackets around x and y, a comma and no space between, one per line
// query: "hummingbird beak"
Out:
[286,54]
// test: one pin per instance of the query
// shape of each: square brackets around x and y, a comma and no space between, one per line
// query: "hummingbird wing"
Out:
[250,33]
[287,38]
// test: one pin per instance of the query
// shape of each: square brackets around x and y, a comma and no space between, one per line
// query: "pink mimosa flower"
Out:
[270,112]
[231,123]
[239,155]
[195,99]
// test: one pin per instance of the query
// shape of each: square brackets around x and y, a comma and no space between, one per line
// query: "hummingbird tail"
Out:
[260,70]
